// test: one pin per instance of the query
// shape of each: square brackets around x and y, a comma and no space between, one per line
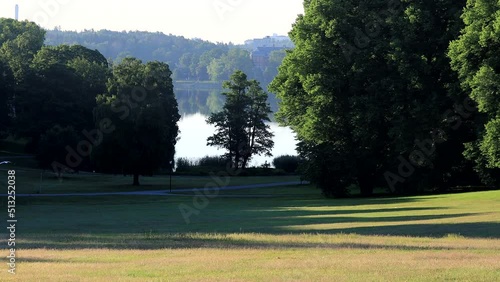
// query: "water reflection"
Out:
[199,101]
[195,131]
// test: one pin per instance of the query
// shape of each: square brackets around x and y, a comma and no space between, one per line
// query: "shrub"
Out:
[212,161]
[184,164]
[287,163]
[259,171]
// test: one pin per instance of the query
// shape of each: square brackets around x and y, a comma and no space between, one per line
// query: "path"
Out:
[163,192]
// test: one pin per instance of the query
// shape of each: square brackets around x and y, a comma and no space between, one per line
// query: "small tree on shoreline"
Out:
[241,126]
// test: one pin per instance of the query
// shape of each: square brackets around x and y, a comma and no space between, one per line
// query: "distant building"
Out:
[280,41]
[261,48]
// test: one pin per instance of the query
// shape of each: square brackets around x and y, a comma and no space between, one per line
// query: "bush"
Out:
[287,163]
[184,164]
[259,171]
[202,166]
[212,161]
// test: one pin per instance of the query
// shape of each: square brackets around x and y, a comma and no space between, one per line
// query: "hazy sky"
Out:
[214,20]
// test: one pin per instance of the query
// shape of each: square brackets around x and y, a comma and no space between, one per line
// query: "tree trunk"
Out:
[136,179]
[237,159]
[248,153]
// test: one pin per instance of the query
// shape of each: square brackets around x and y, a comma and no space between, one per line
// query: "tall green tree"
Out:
[475,57]
[432,116]
[19,42]
[366,80]
[63,82]
[141,113]
[241,127]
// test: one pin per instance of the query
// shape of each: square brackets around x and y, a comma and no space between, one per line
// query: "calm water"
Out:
[195,131]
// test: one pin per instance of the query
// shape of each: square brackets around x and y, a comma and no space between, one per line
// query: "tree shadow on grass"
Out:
[408,226]
[272,223]
[23,259]
[321,201]
[275,221]
[303,212]
[155,239]
[484,230]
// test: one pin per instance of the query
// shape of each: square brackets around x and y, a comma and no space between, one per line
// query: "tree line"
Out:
[190,59]
[395,94]
[79,111]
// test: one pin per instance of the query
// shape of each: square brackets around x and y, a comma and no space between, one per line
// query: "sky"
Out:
[214,20]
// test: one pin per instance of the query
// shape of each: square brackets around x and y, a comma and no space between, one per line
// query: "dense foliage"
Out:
[190,59]
[396,94]
[370,92]
[141,114]
[287,163]
[241,127]
[476,57]
[78,112]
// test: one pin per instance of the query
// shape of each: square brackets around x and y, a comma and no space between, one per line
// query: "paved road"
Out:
[175,192]
[14,156]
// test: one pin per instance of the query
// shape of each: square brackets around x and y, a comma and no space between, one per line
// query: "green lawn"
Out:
[35,181]
[267,234]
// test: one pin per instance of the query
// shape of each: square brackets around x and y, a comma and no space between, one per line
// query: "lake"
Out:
[195,131]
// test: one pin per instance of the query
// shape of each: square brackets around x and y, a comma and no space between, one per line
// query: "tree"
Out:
[235,59]
[140,111]
[52,145]
[288,163]
[6,95]
[275,59]
[475,57]
[63,82]
[241,125]
[19,42]
[366,80]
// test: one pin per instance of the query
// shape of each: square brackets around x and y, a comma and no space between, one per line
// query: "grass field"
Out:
[32,181]
[266,234]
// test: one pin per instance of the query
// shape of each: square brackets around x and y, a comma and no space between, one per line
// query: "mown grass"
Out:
[268,234]
[34,181]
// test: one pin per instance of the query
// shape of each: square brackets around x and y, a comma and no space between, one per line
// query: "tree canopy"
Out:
[63,83]
[371,95]
[190,59]
[394,94]
[241,127]
[79,113]
[476,58]
[141,112]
